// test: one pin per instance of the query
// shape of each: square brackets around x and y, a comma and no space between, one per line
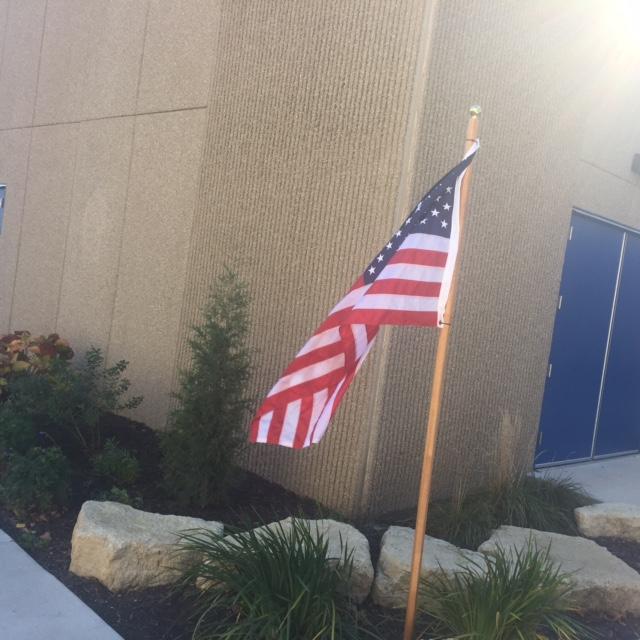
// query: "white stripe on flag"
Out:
[398,302]
[319,402]
[425,241]
[290,423]
[350,299]
[323,421]
[411,272]
[360,336]
[263,426]
[321,340]
[306,374]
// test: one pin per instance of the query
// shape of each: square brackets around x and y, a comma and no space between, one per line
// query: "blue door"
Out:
[580,339]
[618,425]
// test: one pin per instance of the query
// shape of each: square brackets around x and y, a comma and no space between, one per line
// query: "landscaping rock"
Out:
[338,536]
[125,548]
[391,585]
[603,583]
[609,519]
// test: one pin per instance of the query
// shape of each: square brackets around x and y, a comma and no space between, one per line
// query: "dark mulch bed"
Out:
[159,613]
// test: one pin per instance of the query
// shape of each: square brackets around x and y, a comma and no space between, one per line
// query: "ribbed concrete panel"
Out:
[88,289]
[14,156]
[309,107]
[155,242]
[529,67]
[20,61]
[44,228]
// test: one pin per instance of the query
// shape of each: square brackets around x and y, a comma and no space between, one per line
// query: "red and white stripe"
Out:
[411,289]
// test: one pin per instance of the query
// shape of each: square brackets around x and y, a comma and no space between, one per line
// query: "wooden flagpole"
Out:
[436,400]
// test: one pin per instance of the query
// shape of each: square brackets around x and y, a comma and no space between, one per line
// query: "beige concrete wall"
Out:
[327,119]
[146,144]
[102,112]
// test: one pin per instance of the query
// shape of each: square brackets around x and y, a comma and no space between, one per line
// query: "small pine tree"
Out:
[204,433]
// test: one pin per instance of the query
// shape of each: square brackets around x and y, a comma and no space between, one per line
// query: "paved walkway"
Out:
[36,606]
[610,480]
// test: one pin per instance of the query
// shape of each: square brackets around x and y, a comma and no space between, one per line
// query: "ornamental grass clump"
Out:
[274,583]
[517,595]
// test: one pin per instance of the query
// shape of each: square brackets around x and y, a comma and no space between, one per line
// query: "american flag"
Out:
[406,283]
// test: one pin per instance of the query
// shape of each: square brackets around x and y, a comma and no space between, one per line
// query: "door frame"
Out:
[626,230]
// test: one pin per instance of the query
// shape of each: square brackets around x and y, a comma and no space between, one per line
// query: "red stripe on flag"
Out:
[304,423]
[277,422]
[425,257]
[393,316]
[404,287]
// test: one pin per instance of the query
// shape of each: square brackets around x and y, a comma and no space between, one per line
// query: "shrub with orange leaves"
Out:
[21,352]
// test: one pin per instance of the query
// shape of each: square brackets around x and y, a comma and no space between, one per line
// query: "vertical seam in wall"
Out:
[407,169]
[107,346]
[66,235]
[26,178]
[182,318]
[4,38]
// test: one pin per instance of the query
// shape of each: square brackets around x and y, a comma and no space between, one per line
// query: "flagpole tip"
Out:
[475,110]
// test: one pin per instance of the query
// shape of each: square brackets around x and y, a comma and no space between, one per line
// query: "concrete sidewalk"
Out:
[36,606]
[610,480]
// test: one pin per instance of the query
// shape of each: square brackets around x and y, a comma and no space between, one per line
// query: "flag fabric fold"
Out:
[406,283]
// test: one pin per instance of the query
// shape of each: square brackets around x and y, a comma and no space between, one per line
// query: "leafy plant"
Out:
[18,432]
[116,464]
[518,595]
[116,494]
[33,542]
[204,433]
[36,481]
[72,401]
[270,584]
[20,352]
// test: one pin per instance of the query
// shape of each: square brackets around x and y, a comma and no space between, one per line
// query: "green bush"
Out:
[116,494]
[18,432]
[275,584]
[21,352]
[519,595]
[116,464]
[70,402]
[542,503]
[205,433]
[37,481]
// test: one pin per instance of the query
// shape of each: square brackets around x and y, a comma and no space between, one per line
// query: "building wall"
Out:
[102,113]
[147,144]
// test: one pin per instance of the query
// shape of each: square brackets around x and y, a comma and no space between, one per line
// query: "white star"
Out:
[438,198]
[419,205]
[448,189]
[428,195]
[434,212]
[380,258]
[389,245]
[423,221]
[399,233]
[444,224]
[446,206]
[408,221]
[372,270]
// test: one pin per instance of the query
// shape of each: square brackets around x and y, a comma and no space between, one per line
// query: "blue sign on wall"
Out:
[3,190]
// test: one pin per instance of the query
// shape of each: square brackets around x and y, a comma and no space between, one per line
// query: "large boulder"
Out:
[125,548]
[391,585]
[603,583]
[339,536]
[609,519]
